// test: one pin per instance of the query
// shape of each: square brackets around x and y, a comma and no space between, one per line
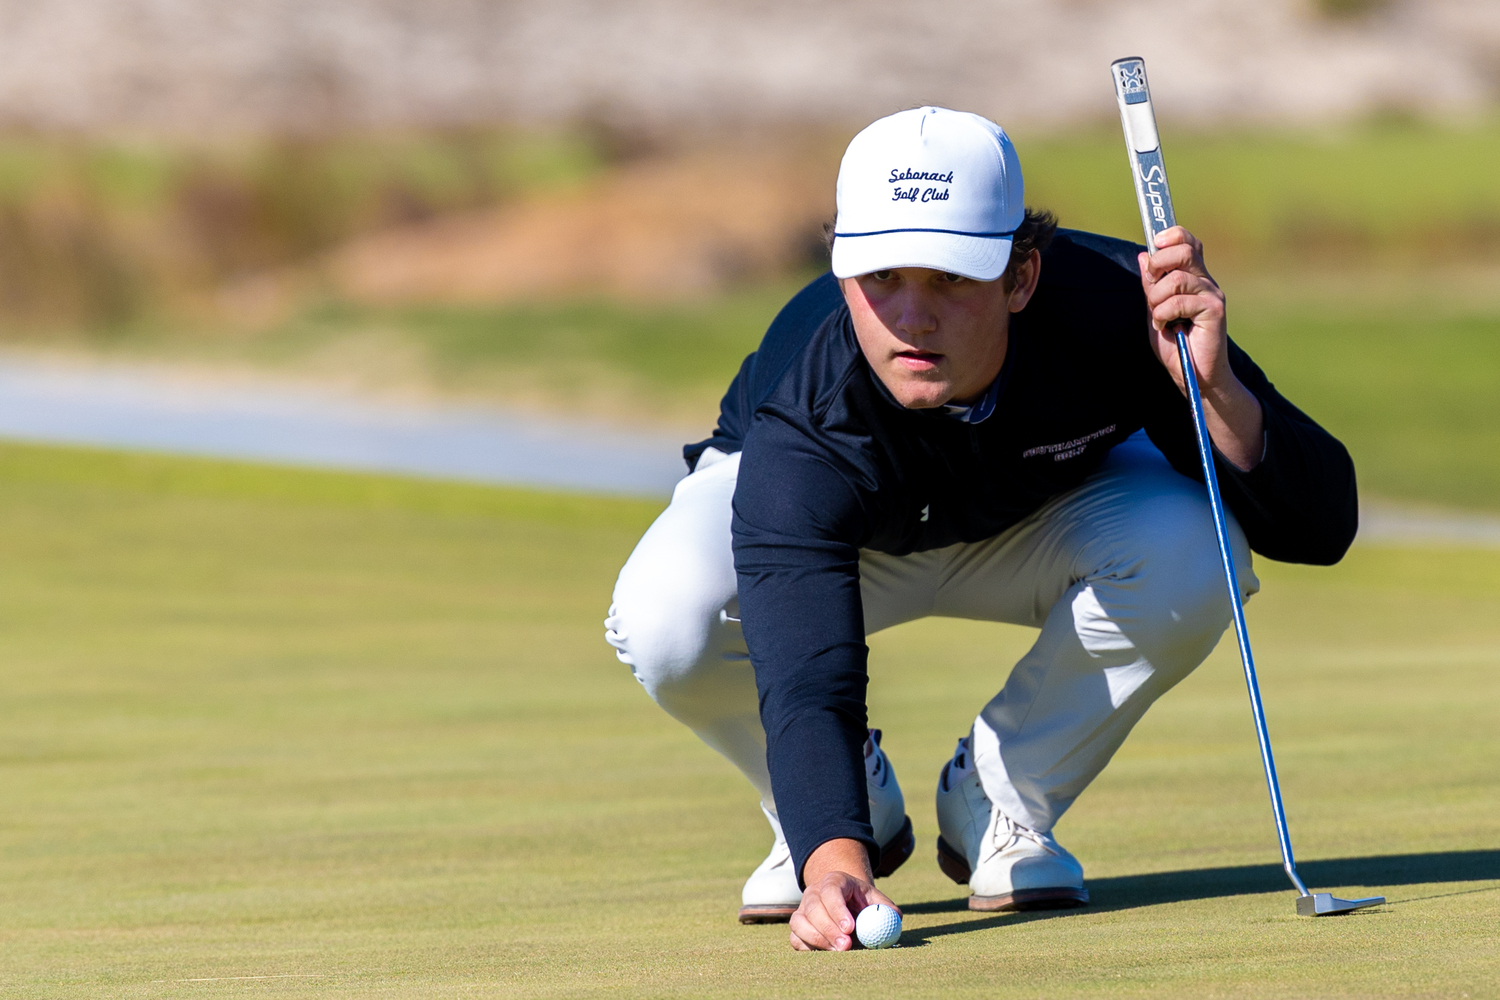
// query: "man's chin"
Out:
[916,392]
[925,400]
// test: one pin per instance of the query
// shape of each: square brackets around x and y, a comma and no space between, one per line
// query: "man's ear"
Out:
[1027,274]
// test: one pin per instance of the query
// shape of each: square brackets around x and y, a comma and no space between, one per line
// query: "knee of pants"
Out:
[675,639]
[1168,594]
[668,621]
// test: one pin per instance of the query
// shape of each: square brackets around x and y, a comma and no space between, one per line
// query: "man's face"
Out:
[934,337]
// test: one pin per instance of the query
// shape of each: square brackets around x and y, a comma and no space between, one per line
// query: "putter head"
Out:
[1326,904]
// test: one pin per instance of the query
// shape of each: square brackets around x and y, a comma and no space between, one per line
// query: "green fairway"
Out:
[356,736]
[646,363]
[1392,190]
[1406,377]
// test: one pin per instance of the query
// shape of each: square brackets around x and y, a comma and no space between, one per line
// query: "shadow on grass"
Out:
[1131,891]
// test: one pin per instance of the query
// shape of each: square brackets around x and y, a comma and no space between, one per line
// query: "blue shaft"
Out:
[1205,456]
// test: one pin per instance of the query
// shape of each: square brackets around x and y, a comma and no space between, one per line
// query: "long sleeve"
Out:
[1301,503]
[796,525]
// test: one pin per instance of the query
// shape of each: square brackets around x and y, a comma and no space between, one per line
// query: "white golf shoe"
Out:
[771,894]
[1007,866]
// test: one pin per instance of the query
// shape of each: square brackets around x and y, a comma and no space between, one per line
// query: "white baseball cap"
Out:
[928,188]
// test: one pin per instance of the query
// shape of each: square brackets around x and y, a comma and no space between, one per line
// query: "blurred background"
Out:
[594,208]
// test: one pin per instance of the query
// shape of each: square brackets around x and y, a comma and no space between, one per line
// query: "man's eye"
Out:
[950,277]
[882,275]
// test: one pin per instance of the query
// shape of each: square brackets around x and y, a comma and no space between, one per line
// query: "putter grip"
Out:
[1143,144]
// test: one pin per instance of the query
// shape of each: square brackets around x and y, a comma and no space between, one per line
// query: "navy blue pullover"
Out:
[832,464]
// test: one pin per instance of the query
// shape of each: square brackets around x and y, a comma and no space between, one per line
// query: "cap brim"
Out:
[979,257]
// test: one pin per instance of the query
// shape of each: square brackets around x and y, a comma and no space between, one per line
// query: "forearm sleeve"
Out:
[1300,503]
[796,525]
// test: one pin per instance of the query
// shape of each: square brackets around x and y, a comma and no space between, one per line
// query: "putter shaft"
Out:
[1241,632]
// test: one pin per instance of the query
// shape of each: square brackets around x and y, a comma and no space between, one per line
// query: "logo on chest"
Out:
[1064,450]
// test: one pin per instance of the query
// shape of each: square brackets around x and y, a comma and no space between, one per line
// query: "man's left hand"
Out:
[839,885]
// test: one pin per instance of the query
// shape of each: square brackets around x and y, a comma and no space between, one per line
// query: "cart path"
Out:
[147,409]
[142,408]
[1392,524]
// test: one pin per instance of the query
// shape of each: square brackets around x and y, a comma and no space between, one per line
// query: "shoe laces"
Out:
[1007,831]
[875,767]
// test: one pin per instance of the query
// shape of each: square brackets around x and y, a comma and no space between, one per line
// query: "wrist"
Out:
[841,854]
[1228,395]
[1236,422]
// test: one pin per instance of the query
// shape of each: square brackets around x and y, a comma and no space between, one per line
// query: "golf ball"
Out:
[877,926]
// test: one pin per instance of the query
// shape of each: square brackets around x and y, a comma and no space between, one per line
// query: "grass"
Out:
[341,177]
[1406,380]
[266,723]
[1395,191]
[98,235]
[102,234]
[642,363]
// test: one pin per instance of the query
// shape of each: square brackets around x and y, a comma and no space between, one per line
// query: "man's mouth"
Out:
[918,361]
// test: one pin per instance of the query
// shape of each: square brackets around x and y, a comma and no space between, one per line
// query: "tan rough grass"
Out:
[665,228]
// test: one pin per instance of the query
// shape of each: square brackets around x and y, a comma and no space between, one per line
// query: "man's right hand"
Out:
[839,885]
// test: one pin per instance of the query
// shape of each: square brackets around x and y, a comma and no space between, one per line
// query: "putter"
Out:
[1155,200]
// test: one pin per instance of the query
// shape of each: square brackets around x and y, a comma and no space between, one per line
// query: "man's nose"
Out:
[915,316]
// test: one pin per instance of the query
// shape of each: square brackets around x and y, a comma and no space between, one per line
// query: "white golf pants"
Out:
[1121,575]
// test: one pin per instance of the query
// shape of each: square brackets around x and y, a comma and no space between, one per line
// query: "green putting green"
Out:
[288,733]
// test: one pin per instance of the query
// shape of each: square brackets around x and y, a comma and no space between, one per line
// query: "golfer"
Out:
[975,415]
